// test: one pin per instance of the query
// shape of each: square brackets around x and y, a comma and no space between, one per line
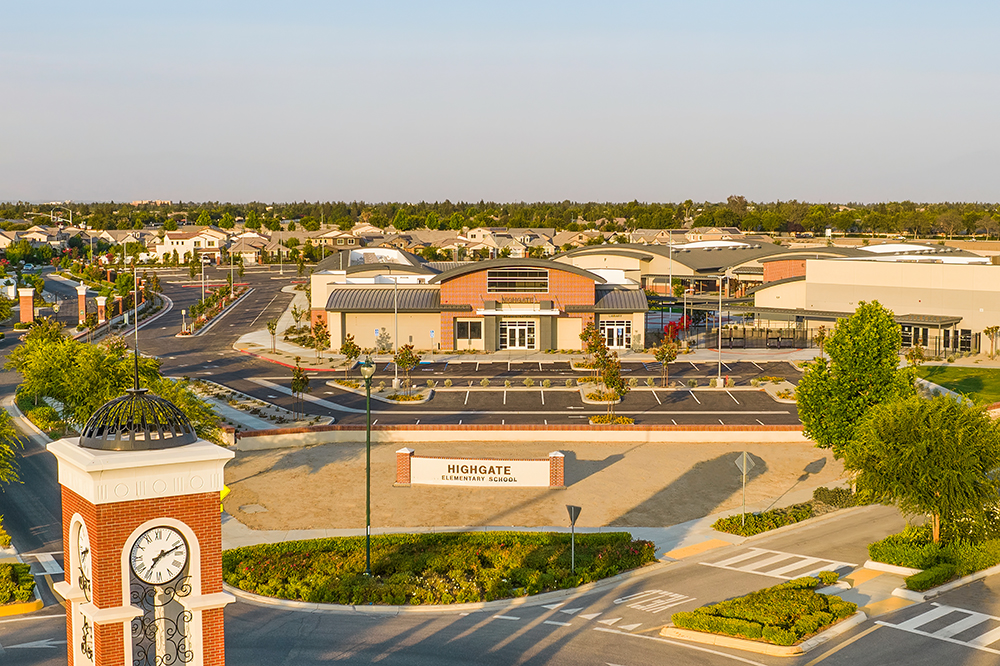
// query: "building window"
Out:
[197,243]
[617,334]
[340,241]
[517,335]
[350,241]
[468,330]
[504,281]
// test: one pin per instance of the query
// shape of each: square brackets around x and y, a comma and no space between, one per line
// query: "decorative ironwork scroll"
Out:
[161,635]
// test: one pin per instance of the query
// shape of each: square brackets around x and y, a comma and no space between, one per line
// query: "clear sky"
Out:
[503,101]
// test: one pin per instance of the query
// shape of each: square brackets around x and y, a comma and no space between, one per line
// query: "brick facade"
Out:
[786,268]
[109,526]
[26,301]
[557,470]
[403,457]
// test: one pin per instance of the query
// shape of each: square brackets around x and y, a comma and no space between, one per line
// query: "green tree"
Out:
[227,221]
[6,307]
[170,224]
[192,270]
[406,359]
[302,265]
[300,386]
[204,218]
[614,383]
[351,351]
[320,336]
[9,444]
[272,328]
[665,354]
[990,332]
[937,457]
[915,356]
[862,371]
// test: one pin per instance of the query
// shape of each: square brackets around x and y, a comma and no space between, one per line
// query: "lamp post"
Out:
[183,321]
[719,377]
[367,370]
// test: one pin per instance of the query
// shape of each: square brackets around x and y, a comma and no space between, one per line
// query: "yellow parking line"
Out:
[843,645]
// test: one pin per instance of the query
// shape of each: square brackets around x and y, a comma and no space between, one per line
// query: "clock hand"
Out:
[164,554]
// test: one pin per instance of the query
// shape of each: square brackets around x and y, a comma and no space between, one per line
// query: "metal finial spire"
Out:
[135,304]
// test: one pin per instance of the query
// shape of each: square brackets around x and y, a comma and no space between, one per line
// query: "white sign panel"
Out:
[486,472]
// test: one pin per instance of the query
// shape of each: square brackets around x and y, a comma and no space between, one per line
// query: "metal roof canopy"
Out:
[792,314]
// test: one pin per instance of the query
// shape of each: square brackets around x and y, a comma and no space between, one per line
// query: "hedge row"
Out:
[755,523]
[17,584]
[783,614]
[941,562]
[431,568]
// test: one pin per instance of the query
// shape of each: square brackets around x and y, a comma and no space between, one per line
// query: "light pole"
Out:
[201,260]
[183,321]
[718,380]
[367,370]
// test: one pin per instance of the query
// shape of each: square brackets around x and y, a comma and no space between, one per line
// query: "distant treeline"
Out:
[903,217]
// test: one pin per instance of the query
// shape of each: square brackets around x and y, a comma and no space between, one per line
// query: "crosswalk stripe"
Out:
[809,561]
[753,552]
[958,627]
[991,636]
[924,618]
[757,566]
[49,564]
[791,564]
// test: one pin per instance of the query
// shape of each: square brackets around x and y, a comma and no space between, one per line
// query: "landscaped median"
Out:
[427,569]
[824,501]
[778,620]
[934,564]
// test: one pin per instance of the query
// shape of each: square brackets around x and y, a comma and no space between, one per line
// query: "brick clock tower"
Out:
[142,538]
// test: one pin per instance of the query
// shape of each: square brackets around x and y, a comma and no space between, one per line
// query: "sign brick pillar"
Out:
[119,307]
[403,457]
[81,302]
[26,297]
[557,470]
[102,309]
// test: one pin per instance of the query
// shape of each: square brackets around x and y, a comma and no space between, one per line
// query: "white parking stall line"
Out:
[694,396]
[542,393]
[658,401]
[733,397]
[505,397]
[964,620]
[466,398]
[693,365]
[757,366]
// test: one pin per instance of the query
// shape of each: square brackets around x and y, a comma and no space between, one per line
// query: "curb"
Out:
[351,389]
[758,647]
[890,568]
[223,313]
[926,595]
[482,606]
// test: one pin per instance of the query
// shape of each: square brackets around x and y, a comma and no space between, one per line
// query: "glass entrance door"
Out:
[517,335]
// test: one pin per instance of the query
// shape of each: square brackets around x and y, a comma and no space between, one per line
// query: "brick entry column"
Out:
[403,458]
[81,302]
[26,298]
[102,309]
[557,470]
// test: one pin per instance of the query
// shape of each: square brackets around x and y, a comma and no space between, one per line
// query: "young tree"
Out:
[406,359]
[614,383]
[351,352]
[819,339]
[594,346]
[915,356]
[301,265]
[9,443]
[297,314]
[665,354]
[320,336]
[272,328]
[936,457]
[990,332]
[300,386]
[192,270]
[862,371]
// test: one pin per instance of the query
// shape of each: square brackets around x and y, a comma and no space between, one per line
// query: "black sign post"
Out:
[574,513]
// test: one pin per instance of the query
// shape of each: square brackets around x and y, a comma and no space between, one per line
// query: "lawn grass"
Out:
[980,384]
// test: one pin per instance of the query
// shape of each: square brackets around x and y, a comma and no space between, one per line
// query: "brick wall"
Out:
[565,288]
[786,268]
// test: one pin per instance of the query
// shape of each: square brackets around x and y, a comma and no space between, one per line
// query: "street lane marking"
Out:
[571,611]
[589,616]
[608,622]
[553,606]
[812,565]
[558,624]
[505,617]
[971,619]
[630,627]
[842,645]
[759,421]
[696,648]
[653,601]
[49,564]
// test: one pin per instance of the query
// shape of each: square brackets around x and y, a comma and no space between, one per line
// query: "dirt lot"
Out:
[634,485]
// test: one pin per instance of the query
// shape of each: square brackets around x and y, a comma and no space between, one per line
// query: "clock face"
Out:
[83,554]
[159,555]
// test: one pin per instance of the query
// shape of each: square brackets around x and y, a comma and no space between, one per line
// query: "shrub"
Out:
[607,419]
[755,382]
[932,577]
[601,396]
[783,614]
[712,383]
[828,577]
[730,382]
[633,382]
[404,397]
[529,382]
[4,537]
[763,522]
[20,326]
[447,383]
[506,383]
[969,556]
[546,383]
[431,383]
[841,498]
[430,568]
[352,383]
[485,382]
[17,584]
[569,383]
[692,383]
[910,548]
[650,381]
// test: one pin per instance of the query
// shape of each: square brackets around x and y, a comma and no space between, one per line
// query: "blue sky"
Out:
[503,101]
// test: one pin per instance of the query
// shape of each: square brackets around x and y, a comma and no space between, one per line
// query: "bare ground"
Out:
[632,485]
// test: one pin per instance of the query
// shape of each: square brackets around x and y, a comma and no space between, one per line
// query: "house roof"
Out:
[387,299]
[476,266]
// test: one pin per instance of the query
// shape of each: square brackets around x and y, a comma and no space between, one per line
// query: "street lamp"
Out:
[183,321]
[367,370]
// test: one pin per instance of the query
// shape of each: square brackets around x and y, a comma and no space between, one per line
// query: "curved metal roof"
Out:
[515,263]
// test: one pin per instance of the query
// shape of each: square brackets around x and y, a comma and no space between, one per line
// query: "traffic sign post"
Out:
[574,513]
[745,463]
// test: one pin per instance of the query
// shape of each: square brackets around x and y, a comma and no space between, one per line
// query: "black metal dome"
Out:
[137,421]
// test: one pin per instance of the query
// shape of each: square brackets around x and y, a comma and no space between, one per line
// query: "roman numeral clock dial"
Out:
[159,555]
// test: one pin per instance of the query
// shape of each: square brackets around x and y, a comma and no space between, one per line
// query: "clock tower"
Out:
[142,538]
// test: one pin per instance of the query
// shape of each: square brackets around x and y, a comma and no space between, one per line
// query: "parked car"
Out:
[28,268]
